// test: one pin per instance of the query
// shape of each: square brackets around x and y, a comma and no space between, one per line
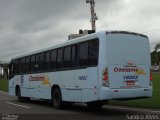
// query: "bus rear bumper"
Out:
[107,93]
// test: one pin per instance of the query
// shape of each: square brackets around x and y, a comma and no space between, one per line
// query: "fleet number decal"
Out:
[82,77]
[130,77]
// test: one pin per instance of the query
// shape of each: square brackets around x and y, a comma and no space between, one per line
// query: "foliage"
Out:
[156,48]
[3,85]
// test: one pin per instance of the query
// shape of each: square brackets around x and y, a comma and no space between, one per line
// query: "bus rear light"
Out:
[105,77]
[105,80]
[151,78]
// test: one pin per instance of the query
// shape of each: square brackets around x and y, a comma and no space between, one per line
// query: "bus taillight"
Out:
[151,78]
[105,80]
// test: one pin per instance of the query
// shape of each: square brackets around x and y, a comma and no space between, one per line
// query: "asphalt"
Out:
[10,108]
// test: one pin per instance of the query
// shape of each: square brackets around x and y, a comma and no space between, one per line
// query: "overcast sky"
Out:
[27,25]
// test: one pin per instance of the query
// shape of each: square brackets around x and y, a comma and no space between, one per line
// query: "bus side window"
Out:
[67,57]
[83,54]
[11,69]
[74,56]
[32,64]
[27,64]
[16,66]
[53,59]
[36,66]
[22,65]
[47,60]
[93,52]
[60,58]
[41,61]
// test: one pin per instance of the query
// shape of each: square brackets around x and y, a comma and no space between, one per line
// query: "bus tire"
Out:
[95,105]
[57,98]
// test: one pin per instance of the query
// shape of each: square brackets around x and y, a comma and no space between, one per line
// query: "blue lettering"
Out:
[128,77]
[82,78]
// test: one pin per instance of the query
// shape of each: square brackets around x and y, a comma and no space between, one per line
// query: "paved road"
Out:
[42,110]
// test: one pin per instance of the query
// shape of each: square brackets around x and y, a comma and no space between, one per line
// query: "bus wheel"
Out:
[57,98]
[95,105]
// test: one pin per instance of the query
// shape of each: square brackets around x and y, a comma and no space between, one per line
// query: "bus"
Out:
[91,69]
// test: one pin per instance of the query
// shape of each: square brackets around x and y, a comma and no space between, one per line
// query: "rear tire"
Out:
[57,98]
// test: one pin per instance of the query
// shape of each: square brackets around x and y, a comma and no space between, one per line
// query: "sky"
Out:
[28,25]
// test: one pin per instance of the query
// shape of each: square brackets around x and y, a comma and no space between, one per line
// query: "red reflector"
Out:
[105,77]
[151,76]
[105,74]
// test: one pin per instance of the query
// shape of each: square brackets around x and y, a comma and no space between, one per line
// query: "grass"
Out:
[153,102]
[3,85]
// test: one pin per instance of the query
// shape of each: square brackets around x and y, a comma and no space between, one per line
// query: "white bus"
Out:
[91,69]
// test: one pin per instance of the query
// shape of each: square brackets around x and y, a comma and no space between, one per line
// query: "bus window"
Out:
[83,54]
[53,59]
[67,57]
[41,61]
[22,65]
[93,52]
[11,69]
[27,64]
[37,63]
[74,56]
[60,58]
[32,64]
[16,68]
[47,60]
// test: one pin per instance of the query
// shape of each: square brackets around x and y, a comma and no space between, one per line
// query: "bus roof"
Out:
[73,41]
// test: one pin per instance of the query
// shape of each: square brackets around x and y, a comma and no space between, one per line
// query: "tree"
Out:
[156,48]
